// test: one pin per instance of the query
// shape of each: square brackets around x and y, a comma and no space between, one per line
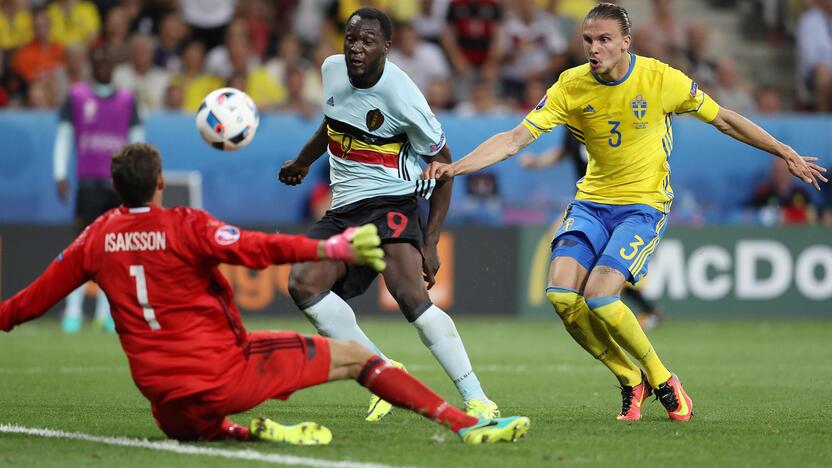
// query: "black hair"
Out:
[135,169]
[613,12]
[378,15]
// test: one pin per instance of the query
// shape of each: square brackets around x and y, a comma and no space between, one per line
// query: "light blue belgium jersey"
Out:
[376,136]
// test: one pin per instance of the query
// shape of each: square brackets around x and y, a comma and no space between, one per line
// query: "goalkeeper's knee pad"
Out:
[567,303]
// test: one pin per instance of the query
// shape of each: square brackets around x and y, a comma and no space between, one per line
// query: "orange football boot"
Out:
[675,400]
[632,398]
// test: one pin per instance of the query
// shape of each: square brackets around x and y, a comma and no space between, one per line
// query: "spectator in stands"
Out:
[42,57]
[13,85]
[5,95]
[767,101]
[116,34]
[472,40]
[15,24]
[145,15]
[208,19]
[814,48]
[173,32]
[266,92]
[43,93]
[533,47]
[174,98]
[573,11]
[147,81]
[218,60]
[423,61]
[195,82]
[260,18]
[76,70]
[306,21]
[782,199]
[670,28]
[74,21]
[290,56]
[648,42]
[296,101]
[701,67]
[482,204]
[440,95]
[532,94]
[730,90]
[430,21]
[483,102]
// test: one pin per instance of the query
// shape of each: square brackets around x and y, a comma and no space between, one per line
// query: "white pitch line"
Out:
[176,447]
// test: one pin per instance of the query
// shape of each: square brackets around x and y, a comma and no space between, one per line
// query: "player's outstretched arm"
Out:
[293,171]
[209,239]
[493,150]
[746,131]
[62,276]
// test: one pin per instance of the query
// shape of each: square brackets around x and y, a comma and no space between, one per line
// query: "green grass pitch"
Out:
[762,392]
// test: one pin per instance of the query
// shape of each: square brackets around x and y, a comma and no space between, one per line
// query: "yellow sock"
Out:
[592,334]
[624,327]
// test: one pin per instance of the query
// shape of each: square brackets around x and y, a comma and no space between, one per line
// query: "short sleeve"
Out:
[681,95]
[423,129]
[549,112]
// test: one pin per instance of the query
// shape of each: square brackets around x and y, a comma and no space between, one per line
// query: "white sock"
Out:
[334,318]
[102,307]
[439,334]
[74,303]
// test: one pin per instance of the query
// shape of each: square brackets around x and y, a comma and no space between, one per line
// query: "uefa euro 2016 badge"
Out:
[639,110]
[541,103]
[226,235]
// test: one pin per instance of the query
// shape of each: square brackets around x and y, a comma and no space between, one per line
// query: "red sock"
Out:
[403,390]
[230,430]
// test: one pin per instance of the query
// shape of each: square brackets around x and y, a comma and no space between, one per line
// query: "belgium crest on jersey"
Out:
[639,107]
[374,119]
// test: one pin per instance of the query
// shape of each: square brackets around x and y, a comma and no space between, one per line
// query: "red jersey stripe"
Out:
[390,160]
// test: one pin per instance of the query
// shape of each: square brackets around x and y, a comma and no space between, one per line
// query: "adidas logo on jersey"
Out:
[331,101]
[589,109]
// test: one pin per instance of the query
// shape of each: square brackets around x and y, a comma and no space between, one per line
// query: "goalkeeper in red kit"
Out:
[174,312]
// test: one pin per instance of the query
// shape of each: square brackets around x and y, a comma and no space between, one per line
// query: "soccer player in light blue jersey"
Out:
[620,106]
[377,127]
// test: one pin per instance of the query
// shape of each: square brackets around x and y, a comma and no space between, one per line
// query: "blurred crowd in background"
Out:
[469,57]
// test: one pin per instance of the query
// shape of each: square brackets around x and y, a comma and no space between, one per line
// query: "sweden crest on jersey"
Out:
[639,107]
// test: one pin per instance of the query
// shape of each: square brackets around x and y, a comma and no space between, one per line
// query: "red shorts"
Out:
[277,365]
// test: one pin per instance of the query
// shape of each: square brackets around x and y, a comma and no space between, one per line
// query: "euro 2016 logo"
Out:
[639,107]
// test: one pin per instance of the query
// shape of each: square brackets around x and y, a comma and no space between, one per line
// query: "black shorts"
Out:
[398,219]
[94,198]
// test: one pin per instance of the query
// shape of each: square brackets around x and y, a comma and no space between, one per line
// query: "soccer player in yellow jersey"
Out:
[620,106]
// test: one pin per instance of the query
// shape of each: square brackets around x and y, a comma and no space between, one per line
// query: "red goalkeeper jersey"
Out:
[173,310]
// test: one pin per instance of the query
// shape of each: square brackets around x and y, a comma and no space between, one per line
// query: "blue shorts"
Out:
[623,237]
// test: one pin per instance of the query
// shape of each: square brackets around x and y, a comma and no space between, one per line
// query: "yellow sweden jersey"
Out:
[626,126]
